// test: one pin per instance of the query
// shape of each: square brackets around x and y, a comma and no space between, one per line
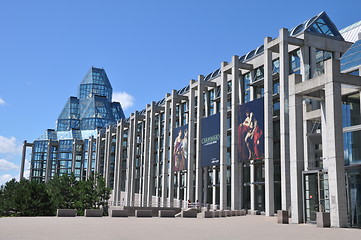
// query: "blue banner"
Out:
[210,140]
[180,150]
[250,130]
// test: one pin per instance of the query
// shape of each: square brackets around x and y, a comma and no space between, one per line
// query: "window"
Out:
[295,61]
[246,87]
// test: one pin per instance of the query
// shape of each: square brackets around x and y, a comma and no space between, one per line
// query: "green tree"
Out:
[31,198]
[25,198]
[63,191]
[103,193]
[87,196]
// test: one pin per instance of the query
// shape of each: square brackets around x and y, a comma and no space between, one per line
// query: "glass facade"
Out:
[351,110]
[94,108]
[351,122]
[80,119]
[353,176]
[352,57]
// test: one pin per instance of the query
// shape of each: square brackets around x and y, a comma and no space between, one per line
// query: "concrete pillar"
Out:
[251,88]
[158,170]
[335,158]
[324,134]
[139,154]
[235,188]
[132,133]
[178,176]
[284,119]
[107,154]
[90,157]
[312,62]
[31,163]
[214,188]
[200,107]
[305,62]
[118,162]
[98,153]
[23,160]
[151,159]
[337,55]
[296,150]
[48,162]
[83,160]
[223,135]
[73,155]
[145,186]
[165,171]
[129,160]
[191,146]
[171,162]
[252,187]
[205,185]
[268,130]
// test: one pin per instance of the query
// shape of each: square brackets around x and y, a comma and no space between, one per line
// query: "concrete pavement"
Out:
[242,227]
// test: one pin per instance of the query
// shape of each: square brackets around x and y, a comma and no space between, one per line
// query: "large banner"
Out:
[210,140]
[250,130]
[180,151]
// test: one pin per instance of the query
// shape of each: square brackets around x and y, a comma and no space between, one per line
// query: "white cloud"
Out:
[9,145]
[2,101]
[125,99]
[5,178]
[6,165]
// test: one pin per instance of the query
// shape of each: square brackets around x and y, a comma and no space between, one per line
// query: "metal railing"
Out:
[175,204]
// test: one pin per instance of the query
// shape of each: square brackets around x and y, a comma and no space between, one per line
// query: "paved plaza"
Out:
[243,227]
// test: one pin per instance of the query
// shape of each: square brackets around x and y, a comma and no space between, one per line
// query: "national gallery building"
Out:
[278,128]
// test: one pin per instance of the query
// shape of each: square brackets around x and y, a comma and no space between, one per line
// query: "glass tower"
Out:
[70,148]
[94,107]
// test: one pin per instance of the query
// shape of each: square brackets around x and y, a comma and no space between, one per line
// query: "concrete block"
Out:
[119,213]
[93,213]
[255,212]
[228,213]
[143,213]
[66,212]
[216,214]
[323,219]
[189,214]
[222,213]
[166,213]
[242,212]
[207,214]
[282,217]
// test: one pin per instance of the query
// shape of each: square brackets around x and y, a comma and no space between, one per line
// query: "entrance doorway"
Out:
[316,194]
[354,197]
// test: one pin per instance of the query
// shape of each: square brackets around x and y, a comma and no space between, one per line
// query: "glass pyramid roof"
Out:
[319,24]
[95,83]
[94,107]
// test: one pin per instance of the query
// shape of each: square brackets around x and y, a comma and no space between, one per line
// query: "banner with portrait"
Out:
[180,148]
[210,141]
[251,130]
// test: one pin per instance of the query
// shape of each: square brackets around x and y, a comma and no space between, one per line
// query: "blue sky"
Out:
[147,49]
